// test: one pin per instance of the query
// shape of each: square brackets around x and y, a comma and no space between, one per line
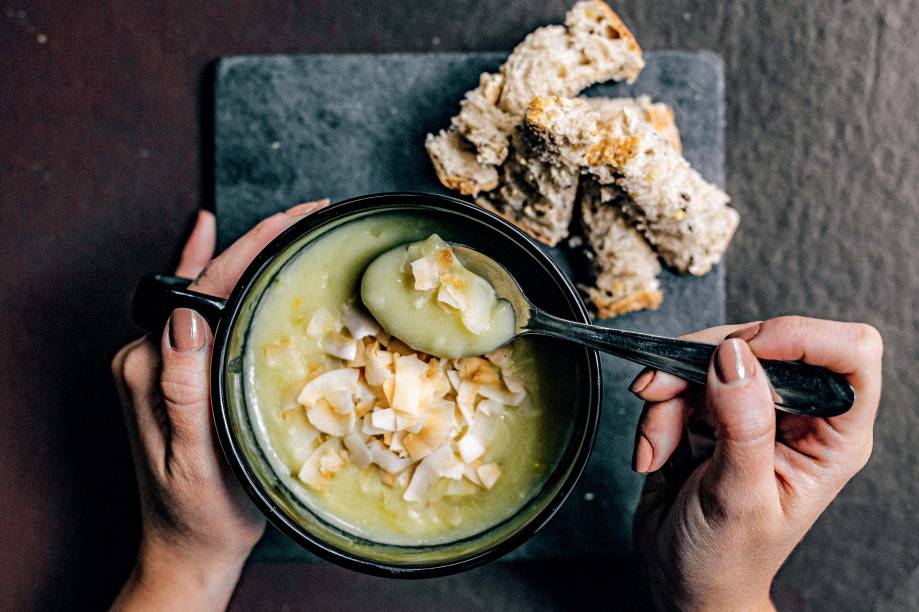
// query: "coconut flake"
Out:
[425,273]
[387,460]
[378,366]
[454,377]
[512,380]
[455,471]
[467,392]
[342,401]
[360,454]
[428,472]
[384,418]
[324,418]
[367,427]
[490,407]
[339,345]
[501,356]
[283,355]
[417,446]
[462,488]
[408,385]
[502,395]
[359,323]
[310,471]
[322,385]
[470,448]
[489,474]
[484,427]
[321,323]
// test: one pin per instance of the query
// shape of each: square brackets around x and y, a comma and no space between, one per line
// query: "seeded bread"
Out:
[593,46]
[685,218]
[626,267]
[538,194]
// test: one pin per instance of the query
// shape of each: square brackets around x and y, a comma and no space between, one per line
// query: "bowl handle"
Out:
[157,295]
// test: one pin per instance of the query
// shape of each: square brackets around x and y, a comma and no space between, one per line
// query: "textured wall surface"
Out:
[103,161]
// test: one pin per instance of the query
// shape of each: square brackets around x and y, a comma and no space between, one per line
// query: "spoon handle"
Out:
[797,387]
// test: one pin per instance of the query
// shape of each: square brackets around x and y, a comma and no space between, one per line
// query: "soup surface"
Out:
[388,444]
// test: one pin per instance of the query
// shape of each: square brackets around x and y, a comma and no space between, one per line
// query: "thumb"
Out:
[739,399]
[185,382]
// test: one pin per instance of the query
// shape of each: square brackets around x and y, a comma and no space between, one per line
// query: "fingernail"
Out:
[186,330]
[307,207]
[644,453]
[642,381]
[733,361]
[747,333]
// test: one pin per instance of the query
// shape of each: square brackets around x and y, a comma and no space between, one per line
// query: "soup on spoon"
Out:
[422,294]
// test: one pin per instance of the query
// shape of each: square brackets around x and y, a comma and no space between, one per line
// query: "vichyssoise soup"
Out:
[388,443]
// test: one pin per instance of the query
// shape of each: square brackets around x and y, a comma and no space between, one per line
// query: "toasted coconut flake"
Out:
[400,348]
[389,390]
[367,427]
[501,356]
[405,421]
[470,473]
[512,380]
[360,359]
[322,323]
[310,471]
[387,460]
[403,478]
[467,392]
[470,448]
[455,471]
[490,407]
[379,365]
[408,389]
[342,401]
[330,463]
[359,323]
[339,345]
[384,418]
[417,447]
[425,273]
[467,410]
[502,395]
[383,338]
[301,436]
[395,443]
[322,385]
[484,427]
[428,472]
[489,474]
[446,297]
[360,454]
[486,376]
[363,407]
[454,377]
[324,418]
[461,488]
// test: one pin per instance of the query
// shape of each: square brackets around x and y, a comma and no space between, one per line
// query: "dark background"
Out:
[102,165]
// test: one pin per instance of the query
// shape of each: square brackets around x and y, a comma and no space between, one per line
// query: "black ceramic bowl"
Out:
[575,368]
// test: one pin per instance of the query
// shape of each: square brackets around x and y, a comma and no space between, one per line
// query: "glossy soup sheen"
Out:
[327,274]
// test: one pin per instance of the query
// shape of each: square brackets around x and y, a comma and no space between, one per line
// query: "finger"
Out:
[307,207]
[185,386]
[200,247]
[136,370]
[852,349]
[740,402]
[222,274]
[659,433]
[655,386]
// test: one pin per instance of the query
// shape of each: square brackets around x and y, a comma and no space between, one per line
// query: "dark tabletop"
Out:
[103,163]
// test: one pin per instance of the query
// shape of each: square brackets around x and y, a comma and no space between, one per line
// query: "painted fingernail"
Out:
[644,453]
[747,333]
[307,207]
[733,361]
[186,330]
[642,381]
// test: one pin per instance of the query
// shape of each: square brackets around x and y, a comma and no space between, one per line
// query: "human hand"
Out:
[198,525]
[735,485]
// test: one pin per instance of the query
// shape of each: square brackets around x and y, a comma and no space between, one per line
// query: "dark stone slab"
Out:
[295,128]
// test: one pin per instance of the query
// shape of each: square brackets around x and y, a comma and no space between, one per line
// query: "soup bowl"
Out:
[574,369]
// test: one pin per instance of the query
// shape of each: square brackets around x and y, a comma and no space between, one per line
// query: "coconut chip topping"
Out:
[406,418]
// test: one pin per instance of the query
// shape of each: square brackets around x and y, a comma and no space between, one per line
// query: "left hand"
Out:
[198,525]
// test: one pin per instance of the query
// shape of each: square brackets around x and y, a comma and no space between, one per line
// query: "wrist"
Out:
[169,576]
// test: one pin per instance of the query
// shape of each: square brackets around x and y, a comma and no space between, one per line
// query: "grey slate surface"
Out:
[295,128]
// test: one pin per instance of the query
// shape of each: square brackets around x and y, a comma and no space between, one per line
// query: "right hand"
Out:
[741,484]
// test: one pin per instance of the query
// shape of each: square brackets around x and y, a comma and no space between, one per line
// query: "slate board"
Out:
[293,128]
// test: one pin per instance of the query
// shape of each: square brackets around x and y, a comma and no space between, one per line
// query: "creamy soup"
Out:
[387,443]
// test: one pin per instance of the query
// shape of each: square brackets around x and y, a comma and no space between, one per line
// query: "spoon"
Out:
[797,387]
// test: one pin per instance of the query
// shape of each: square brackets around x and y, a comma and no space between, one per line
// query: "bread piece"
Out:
[456,166]
[593,46]
[538,195]
[658,114]
[684,217]
[626,266]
